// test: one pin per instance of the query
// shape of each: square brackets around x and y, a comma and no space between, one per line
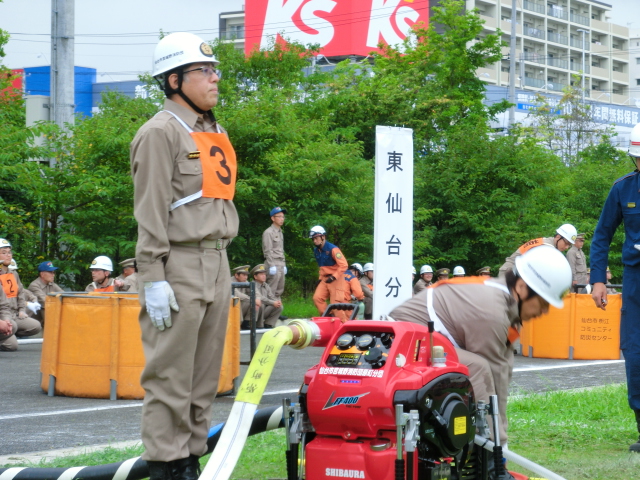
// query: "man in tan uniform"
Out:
[14,292]
[101,269]
[273,250]
[241,274]
[565,237]
[44,285]
[129,276]
[184,174]
[270,305]
[426,275]
[366,282]
[479,316]
[578,262]
[8,327]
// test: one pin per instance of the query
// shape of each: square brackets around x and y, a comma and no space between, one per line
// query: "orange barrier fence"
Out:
[92,346]
[579,331]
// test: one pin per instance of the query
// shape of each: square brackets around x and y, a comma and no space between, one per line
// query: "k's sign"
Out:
[340,27]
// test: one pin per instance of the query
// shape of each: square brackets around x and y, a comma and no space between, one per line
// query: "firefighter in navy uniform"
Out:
[623,206]
[331,275]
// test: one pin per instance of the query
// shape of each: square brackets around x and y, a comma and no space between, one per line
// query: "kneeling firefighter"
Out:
[481,317]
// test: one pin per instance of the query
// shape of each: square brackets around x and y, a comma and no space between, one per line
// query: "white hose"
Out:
[519,459]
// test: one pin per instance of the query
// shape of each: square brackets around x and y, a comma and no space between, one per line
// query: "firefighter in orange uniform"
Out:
[332,267]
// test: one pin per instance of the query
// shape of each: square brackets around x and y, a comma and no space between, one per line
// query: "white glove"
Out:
[272,270]
[34,306]
[285,269]
[159,297]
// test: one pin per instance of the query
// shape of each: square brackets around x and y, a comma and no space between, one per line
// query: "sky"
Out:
[118,37]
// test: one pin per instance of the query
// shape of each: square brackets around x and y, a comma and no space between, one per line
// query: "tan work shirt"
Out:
[40,289]
[273,246]
[241,292]
[578,263]
[92,286]
[364,282]
[130,283]
[265,294]
[16,304]
[163,173]
[511,261]
[420,285]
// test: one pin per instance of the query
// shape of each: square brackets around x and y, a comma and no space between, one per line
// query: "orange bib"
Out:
[9,285]
[531,244]
[108,289]
[219,167]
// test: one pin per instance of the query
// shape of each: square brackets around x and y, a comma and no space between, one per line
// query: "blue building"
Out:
[37,81]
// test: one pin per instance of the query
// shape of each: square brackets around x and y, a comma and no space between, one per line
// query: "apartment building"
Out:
[634,65]
[556,39]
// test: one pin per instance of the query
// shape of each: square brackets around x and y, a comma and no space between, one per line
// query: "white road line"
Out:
[571,365]
[67,412]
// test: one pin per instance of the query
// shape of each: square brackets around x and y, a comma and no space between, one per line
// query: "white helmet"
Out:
[426,269]
[568,232]
[13,265]
[4,243]
[634,141]
[368,267]
[413,270]
[178,49]
[458,271]
[315,231]
[102,263]
[356,266]
[547,272]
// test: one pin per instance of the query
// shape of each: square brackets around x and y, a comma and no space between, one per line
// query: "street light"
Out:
[581,30]
[606,94]
[549,85]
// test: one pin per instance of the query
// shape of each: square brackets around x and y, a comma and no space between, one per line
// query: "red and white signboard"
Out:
[340,27]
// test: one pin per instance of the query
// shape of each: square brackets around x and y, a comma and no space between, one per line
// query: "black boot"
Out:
[636,446]
[186,468]
[160,470]
[492,471]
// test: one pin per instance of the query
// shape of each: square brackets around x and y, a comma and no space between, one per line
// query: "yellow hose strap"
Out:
[259,372]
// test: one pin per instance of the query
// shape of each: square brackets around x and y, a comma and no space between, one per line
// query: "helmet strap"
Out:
[168,91]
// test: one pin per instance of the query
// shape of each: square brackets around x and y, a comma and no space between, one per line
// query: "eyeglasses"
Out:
[207,72]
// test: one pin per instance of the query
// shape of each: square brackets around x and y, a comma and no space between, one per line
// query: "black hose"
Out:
[137,469]
[292,462]
[409,465]
[399,469]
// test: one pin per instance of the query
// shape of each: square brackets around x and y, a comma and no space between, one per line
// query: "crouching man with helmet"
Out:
[184,175]
[480,316]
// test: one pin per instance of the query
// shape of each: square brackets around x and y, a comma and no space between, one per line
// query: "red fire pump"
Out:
[388,400]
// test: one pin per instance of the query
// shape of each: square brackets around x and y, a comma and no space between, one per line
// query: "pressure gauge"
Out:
[365,341]
[344,341]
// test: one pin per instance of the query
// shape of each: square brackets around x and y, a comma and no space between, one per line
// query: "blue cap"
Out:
[275,210]
[47,267]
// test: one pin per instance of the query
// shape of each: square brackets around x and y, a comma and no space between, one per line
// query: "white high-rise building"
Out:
[557,39]
[634,65]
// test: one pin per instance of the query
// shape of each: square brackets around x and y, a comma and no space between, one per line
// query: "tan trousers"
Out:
[487,381]
[276,282]
[271,315]
[180,377]
[23,327]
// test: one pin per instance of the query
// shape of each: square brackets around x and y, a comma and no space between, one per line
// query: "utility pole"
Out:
[512,66]
[584,71]
[62,104]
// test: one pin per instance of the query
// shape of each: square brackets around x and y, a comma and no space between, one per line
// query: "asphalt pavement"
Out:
[31,421]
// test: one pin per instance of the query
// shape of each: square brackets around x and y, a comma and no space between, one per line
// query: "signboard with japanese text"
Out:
[340,27]
[393,217]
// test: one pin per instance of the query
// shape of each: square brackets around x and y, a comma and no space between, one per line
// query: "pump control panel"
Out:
[364,350]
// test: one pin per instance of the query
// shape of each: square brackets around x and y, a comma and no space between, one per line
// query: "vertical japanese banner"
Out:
[393,227]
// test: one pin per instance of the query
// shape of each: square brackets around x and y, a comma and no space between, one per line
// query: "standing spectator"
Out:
[129,276]
[565,237]
[623,206]
[271,306]
[101,268]
[273,250]
[331,274]
[44,285]
[366,282]
[184,176]
[426,275]
[23,325]
[578,262]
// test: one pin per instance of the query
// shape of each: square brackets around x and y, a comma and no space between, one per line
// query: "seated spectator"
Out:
[101,268]
[43,285]
[610,289]
[426,275]
[442,274]
[31,300]
[241,274]
[129,276]
[23,325]
[484,272]
[270,305]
